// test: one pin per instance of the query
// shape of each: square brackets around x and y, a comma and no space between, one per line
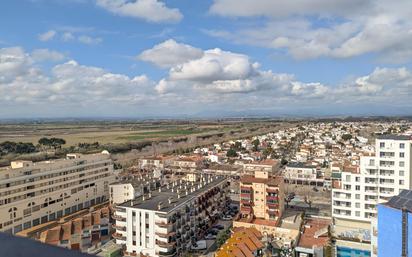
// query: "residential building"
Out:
[392,229]
[35,193]
[269,165]
[243,242]
[81,233]
[314,238]
[170,218]
[377,179]
[302,173]
[261,201]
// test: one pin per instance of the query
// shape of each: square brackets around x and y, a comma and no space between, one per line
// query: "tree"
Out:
[231,153]
[346,137]
[238,145]
[222,237]
[256,144]
[52,142]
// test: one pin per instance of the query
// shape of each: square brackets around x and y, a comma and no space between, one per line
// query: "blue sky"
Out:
[85,58]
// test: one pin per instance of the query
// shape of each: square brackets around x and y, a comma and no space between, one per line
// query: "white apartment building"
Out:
[170,218]
[378,178]
[35,193]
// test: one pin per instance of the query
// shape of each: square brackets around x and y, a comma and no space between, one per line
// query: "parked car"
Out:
[210,236]
[218,226]
[227,217]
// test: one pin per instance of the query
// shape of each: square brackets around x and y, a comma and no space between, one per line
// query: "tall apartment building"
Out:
[261,201]
[35,193]
[378,178]
[170,218]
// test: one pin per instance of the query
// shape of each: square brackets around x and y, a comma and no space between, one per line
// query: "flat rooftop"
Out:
[394,137]
[171,191]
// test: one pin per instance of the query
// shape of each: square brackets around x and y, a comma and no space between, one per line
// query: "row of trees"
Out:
[16,148]
[53,142]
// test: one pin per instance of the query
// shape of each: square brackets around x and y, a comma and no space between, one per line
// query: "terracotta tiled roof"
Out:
[242,243]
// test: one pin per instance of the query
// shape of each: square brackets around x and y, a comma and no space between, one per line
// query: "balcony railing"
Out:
[119,236]
[121,228]
[165,244]
[165,235]
[119,218]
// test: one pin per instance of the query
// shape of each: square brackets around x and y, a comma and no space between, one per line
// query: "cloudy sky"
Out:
[143,58]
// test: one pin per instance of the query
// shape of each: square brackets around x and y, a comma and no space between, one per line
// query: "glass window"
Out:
[402,145]
[382,144]
[401,155]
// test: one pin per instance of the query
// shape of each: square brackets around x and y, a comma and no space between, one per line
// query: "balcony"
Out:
[165,244]
[163,224]
[165,235]
[169,253]
[119,218]
[271,190]
[272,205]
[245,209]
[119,236]
[272,198]
[121,228]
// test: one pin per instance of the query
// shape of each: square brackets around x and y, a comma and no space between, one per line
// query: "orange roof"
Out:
[308,239]
[242,243]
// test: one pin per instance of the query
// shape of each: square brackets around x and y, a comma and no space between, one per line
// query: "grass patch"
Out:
[164,133]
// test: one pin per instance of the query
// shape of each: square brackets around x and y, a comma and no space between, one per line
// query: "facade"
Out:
[300,173]
[35,193]
[82,233]
[377,179]
[170,218]
[394,218]
[270,166]
[261,200]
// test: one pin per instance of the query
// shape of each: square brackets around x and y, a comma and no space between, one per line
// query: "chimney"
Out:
[178,196]
[160,189]
[159,206]
[170,199]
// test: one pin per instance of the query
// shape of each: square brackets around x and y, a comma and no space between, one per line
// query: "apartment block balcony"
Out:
[163,224]
[272,198]
[245,209]
[245,201]
[272,205]
[119,218]
[121,228]
[166,254]
[272,190]
[119,236]
[165,235]
[165,244]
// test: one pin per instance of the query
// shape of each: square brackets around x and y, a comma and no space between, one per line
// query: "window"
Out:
[357,205]
[357,213]
[357,196]
[382,145]
[357,179]
[401,182]
[401,164]
[357,188]
[401,173]
[401,155]
[347,177]
[402,145]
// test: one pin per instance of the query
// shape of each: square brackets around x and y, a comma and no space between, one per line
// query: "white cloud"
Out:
[67,36]
[149,10]
[235,83]
[40,55]
[332,28]
[89,40]
[215,64]
[170,53]
[48,35]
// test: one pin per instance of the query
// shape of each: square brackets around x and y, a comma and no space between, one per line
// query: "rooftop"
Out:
[176,192]
[300,165]
[394,137]
[403,200]
[315,233]
[272,181]
[242,243]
